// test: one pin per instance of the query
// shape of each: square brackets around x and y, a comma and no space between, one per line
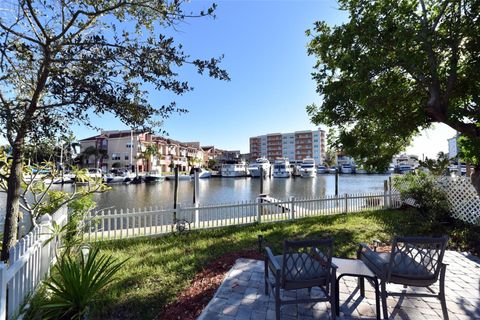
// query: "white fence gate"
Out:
[30,261]
[120,224]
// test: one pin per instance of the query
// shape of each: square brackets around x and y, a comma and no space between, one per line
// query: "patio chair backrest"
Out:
[417,257]
[306,260]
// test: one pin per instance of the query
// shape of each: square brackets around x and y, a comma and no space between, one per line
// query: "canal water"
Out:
[229,190]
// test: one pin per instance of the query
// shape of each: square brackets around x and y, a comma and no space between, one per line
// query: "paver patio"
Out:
[242,296]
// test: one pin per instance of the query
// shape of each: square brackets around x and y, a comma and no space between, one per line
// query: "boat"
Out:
[332,170]
[404,168]
[281,168]
[391,168]
[202,174]
[118,176]
[254,168]
[232,170]
[346,168]
[307,168]
[154,176]
[321,169]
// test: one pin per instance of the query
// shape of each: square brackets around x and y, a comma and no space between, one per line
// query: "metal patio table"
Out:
[356,268]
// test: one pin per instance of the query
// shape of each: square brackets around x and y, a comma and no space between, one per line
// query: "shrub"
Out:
[423,189]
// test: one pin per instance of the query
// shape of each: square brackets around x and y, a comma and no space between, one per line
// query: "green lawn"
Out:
[159,268]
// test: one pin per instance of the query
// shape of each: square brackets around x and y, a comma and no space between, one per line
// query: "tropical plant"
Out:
[423,188]
[395,68]
[330,158]
[436,167]
[76,283]
[63,61]
[37,196]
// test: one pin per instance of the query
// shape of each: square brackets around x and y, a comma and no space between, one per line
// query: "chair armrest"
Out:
[272,260]
[334,266]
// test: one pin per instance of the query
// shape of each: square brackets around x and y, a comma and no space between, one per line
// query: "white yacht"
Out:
[281,168]
[307,168]
[234,170]
[202,174]
[254,168]
[346,168]
[321,169]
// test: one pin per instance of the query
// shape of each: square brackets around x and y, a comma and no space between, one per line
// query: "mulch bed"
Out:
[191,302]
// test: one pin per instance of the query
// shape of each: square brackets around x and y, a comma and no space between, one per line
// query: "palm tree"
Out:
[150,151]
[99,154]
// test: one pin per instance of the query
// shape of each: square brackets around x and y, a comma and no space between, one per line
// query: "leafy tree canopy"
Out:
[62,60]
[394,68]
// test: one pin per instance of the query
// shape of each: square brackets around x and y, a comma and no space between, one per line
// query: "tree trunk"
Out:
[13,200]
[475,178]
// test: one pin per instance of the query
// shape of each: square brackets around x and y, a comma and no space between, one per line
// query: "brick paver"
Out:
[242,296]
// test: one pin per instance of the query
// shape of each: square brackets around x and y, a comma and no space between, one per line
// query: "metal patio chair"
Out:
[412,261]
[303,264]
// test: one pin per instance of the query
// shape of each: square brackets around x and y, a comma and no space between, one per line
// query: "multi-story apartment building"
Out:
[296,145]
[133,150]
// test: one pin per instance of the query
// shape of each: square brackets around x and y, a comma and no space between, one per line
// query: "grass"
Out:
[159,268]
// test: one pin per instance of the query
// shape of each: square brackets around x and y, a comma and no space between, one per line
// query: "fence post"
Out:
[346,202]
[197,217]
[3,290]
[385,190]
[292,208]
[390,201]
[48,251]
[259,210]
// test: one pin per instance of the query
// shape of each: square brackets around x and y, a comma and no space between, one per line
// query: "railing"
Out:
[120,224]
[30,261]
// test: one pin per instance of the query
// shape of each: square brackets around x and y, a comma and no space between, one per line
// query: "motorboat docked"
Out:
[233,170]
[202,174]
[154,176]
[404,168]
[118,176]
[332,170]
[307,168]
[346,168]
[281,168]
[321,169]
[259,165]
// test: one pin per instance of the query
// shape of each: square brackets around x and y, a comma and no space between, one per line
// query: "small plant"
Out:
[429,198]
[75,284]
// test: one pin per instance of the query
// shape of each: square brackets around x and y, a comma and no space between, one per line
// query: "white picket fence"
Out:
[120,224]
[30,261]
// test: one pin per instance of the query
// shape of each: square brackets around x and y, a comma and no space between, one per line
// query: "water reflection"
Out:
[227,190]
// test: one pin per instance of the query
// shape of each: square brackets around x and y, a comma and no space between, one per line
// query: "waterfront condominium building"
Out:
[296,145]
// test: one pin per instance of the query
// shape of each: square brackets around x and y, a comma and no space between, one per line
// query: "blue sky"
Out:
[264,44]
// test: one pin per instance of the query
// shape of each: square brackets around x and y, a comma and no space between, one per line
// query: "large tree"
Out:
[63,60]
[395,68]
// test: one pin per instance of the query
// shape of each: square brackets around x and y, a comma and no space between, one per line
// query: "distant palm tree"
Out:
[150,151]
[99,154]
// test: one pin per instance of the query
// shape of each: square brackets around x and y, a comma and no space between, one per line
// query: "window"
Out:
[126,157]
[129,145]
[115,156]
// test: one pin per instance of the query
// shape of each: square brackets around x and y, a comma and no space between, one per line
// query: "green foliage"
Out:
[430,199]
[160,268]
[469,150]
[394,68]
[437,167]
[75,285]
